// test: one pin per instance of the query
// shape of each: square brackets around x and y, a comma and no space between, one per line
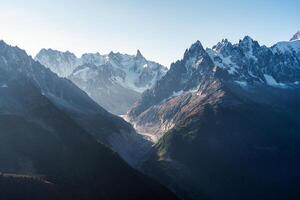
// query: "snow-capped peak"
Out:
[296,36]
[62,63]
[248,42]
[247,38]
[107,78]
[111,54]
[249,46]
[92,58]
[287,47]
[218,47]
[196,45]
[139,55]
[247,61]
[53,51]
[13,54]
[196,49]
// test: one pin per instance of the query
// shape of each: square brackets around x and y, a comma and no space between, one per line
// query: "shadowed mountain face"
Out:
[105,127]
[233,145]
[115,81]
[46,152]
[28,187]
[227,122]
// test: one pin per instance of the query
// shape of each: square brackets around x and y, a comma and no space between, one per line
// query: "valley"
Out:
[219,123]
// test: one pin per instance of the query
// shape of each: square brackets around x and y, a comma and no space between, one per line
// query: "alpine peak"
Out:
[195,49]
[247,40]
[139,54]
[221,45]
[296,36]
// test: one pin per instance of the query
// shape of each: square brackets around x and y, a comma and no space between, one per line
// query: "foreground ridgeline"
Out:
[49,139]
[227,122]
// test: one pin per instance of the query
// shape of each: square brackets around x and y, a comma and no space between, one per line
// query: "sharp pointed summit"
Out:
[221,45]
[247,40]
[296,36]
[195,49]
[196,45]
[139,54]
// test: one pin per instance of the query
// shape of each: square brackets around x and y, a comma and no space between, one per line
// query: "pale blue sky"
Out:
[161,29]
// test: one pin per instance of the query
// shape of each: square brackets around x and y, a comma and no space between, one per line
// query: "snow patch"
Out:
[86,74]
[4,86]
[81,71]
[272,82]
[135,72]
[225,63]
[242,83]
[175,94]
[199,62]
[282,47]
[249,54]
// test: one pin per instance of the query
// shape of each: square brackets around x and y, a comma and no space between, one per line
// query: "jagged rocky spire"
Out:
[139,54]
[296,36]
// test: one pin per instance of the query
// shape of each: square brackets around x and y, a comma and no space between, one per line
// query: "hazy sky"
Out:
[161,29]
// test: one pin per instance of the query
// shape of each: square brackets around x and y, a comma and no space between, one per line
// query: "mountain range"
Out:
[246,64]
[115,81]
[225,122]
[220,123]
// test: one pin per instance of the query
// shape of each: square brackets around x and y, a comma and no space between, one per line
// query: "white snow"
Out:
[249,54]
[296,36]
[242,83]
[133,69]
[4,60]
[226,62]
[61,63]
[199,62]
[92,58]
[175,94]
[272,82]
[130,71]
[285,46]
[180,92]
[81,71]
[4,86]
[86,74]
